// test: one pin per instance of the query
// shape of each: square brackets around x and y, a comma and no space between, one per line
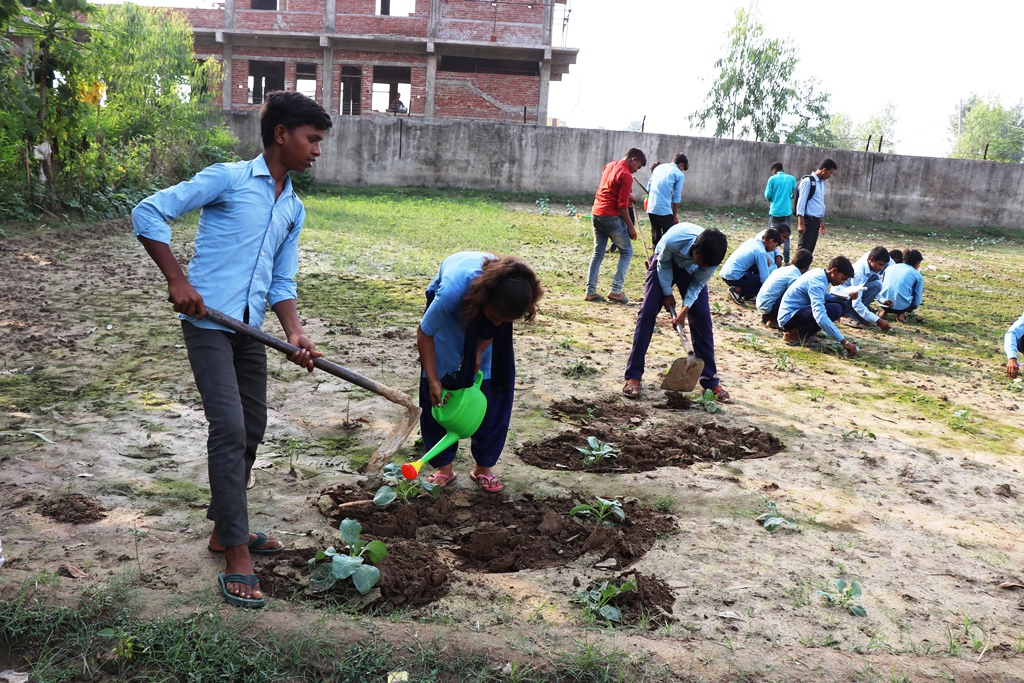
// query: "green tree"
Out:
[755,95]
[984,123]
[878,128]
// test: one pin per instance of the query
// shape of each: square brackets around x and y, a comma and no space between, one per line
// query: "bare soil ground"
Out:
[924,515]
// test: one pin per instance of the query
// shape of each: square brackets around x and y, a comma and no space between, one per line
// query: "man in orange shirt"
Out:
[612,222]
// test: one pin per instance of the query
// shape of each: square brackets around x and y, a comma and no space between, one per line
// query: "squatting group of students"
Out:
[794,298]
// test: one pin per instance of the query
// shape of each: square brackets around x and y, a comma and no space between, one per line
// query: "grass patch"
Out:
[175,491]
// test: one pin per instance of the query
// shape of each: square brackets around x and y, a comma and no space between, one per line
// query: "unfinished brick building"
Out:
[479,59]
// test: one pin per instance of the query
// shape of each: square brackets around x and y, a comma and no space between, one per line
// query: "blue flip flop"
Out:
[255,546]
[237,600]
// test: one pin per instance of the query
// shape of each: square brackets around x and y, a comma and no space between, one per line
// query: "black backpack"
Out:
[810,193]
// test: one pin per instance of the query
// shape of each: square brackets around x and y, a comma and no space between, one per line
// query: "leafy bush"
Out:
[400,488]
[844,597]
[595,452]
[606,511]
[595,600]
[351,565]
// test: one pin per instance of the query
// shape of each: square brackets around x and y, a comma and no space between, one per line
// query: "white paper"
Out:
[845,292]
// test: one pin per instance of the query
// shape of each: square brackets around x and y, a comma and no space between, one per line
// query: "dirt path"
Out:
[96,399]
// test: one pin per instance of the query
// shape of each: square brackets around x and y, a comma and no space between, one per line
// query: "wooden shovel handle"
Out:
[680,329]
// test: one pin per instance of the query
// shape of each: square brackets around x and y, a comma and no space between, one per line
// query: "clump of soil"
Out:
[650,602]
[412,575]
[675,400]
[494,534]
[608,409]
[73,508]
[641,451]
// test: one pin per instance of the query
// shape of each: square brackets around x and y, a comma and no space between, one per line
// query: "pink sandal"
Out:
[487,482]
[441,479]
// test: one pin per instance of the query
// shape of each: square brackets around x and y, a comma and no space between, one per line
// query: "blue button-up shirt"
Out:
[674,250]
[861,273]
[809,291]
[749,256]
[443,319]
[246,249]
[665,188]
[1012,338]
[904,285]
[774,287]
[816,206]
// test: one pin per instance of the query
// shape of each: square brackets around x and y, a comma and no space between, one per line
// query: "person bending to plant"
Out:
[466,327]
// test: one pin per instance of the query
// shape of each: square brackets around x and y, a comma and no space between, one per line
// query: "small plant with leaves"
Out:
[607,512]
[397,487]
[578,369]
[1017,386]
[755,344]
[718,308]
[571,210]
[844,596]
[863,434]
[817,395]
[543,205]
[596,451]
[124,648]
[773,521]
[330,566]
[708,401]
[961,421]
[596,600]
[782,362]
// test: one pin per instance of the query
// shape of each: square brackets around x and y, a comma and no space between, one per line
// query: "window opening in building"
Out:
[266,5]
[305,79]
[396,8]
[476,65]
[351,90]
[391,89]
[264,77]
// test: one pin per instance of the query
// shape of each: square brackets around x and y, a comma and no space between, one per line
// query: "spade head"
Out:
[683,374]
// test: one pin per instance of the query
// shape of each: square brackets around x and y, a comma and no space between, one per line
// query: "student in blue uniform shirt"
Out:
[466,327]
[687,256]
[665,193]
[770,296]
[806,307]
[903,290]
[781,252]
[1013,343]
[867,271]
[750,265]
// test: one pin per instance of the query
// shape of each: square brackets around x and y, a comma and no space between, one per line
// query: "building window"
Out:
[264,77]
[351,90]
[265,5]
[476,65]
[396,8]
[305,79]
[391,89]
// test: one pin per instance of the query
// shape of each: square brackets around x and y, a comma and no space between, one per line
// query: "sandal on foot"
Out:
[255,546]
[441,479]
[594,298]
[621,299]
[632,389]
[487,482]
[249,580]
[722,395]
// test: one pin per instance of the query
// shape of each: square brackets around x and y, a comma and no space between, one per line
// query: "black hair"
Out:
[290,109]
[506,283]
[655,165]
[842,264]
[773,234]
[711,245]
[879,254]
[777,167]
[784,230]
[828,164]
[913,258]
[896,255]
[802,259]
[638,154]
[681,159]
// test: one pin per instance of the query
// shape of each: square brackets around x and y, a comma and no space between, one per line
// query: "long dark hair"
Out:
[509,285]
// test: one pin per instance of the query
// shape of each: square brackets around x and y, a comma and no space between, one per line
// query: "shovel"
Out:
[393,441]
[685,372]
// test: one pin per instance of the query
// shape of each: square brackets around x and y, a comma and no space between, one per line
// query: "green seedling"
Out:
[123,646]
[595,452]
[782,362]
[665,504]
[595,601]
[718,309]
[858,434]
[571,210]
[708,401]
[844,596]
[577,369]
[397,487]
[606,511]
[817,395]
[961,421]
[754,343]
[772,520]
[356,564]
[543,206]
[1017,386]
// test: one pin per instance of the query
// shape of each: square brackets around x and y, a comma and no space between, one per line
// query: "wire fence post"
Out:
[867,147]
[880,142]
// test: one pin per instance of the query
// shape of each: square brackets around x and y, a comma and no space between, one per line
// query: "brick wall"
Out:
[486,96]
[510,24]
[290,21]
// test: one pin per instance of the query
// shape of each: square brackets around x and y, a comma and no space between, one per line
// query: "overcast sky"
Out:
[656,58]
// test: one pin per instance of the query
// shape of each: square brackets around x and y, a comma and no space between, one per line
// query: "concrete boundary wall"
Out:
[370,150]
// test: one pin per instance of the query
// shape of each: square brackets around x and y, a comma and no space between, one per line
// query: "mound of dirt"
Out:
[649,603]
[412,575]
[608,409]
[641,451]
[74,508]
[494,534]
[675,400]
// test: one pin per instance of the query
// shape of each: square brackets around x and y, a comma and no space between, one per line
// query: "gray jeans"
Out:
[610,228]
[231,374]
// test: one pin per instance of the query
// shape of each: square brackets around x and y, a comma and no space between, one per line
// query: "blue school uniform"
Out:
[750,256]
[809,292]
[1012,338]
[774,287]
[904,285]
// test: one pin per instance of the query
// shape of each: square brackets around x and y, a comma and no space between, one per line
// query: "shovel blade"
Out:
[683,374]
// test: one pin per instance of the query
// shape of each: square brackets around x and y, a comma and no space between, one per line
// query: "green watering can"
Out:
[461,412]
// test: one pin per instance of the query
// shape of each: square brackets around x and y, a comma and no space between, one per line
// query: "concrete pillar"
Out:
[229,14]
[327,78]
[542,101]
[428,98]
[330,20]
[228,87]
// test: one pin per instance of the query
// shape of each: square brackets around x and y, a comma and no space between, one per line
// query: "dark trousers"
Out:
[809,238]
[659,226]
[778,222]
[231,374]
[749,283]
[488,441]
[804,323]
[699,319]
[772,314]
